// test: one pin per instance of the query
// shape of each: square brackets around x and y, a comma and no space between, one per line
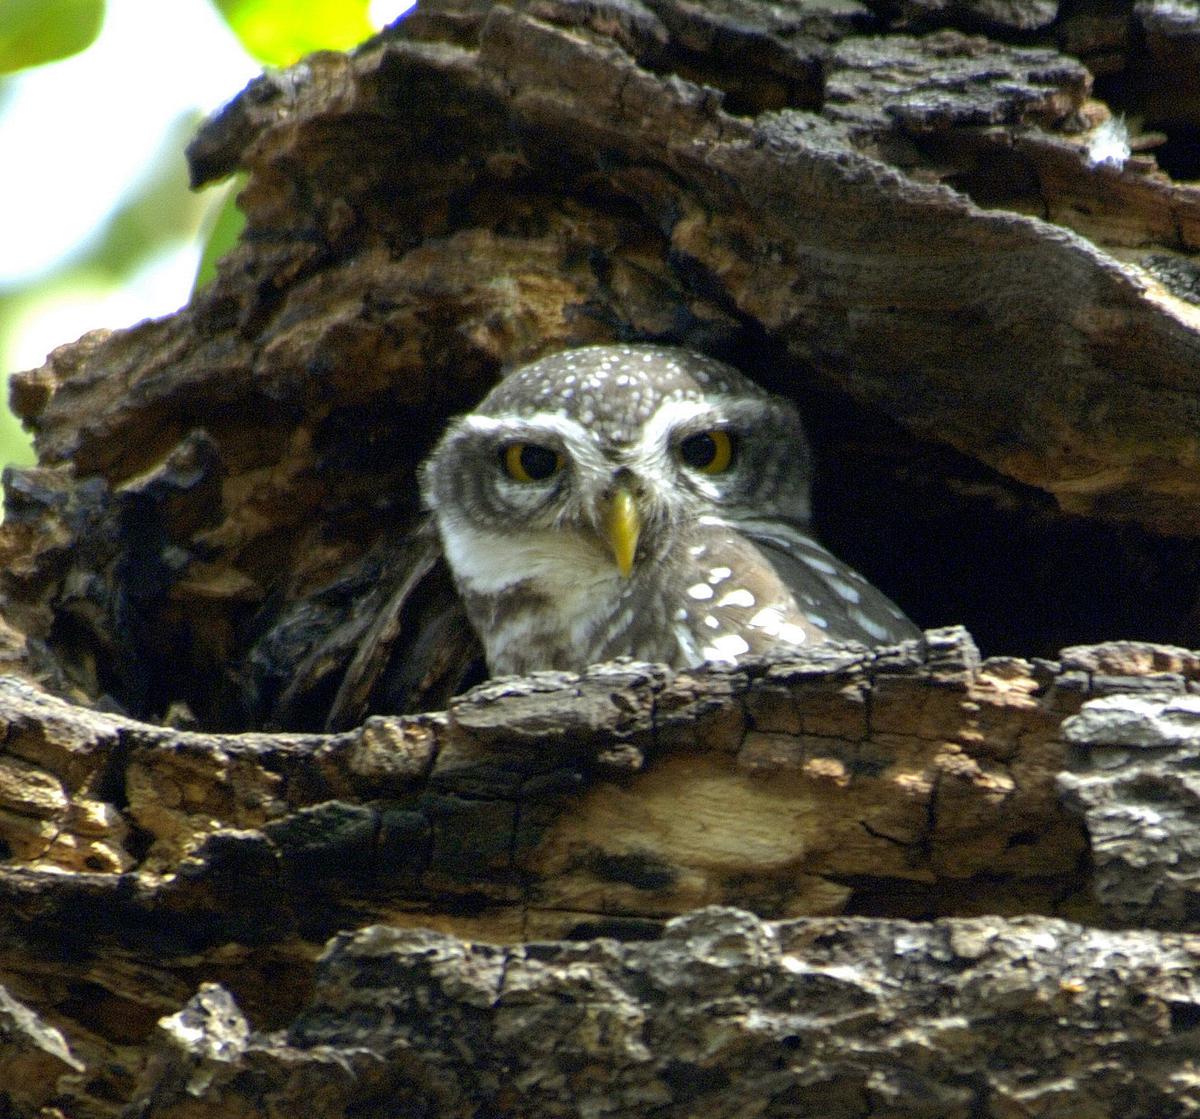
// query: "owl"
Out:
[641,501]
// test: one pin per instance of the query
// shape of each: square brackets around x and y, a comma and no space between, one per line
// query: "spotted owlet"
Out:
[643,501]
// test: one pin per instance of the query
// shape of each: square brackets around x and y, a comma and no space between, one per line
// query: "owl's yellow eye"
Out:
[530,462]
[710,452]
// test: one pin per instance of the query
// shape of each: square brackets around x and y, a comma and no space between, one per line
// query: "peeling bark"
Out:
[725,1015]
[916,782]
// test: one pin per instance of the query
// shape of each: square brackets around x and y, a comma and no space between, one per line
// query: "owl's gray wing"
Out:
[388,637]
[420,649]
[827,589]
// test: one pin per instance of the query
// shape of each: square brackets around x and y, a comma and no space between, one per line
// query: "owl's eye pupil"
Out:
[698,450]
[709,451]
[538,462]
[530,462]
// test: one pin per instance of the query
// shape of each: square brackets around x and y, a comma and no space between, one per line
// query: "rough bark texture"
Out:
[939,883]
[903,786]
[725,1016]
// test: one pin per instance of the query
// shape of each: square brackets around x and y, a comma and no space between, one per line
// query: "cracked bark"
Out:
[936,882]
[944,813]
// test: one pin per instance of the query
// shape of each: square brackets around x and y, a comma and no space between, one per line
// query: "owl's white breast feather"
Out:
[561,564]
[576,574]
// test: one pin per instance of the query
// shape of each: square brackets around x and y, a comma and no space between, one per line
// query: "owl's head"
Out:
[617,446]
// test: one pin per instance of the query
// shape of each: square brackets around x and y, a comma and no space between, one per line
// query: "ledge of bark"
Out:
[725,1015]
[913,782]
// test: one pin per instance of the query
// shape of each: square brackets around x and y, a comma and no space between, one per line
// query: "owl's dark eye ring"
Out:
[530,462]
[710,452]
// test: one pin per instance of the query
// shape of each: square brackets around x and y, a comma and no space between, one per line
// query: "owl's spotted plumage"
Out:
[642,501]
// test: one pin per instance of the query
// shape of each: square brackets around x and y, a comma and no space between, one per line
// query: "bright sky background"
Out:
[74,135]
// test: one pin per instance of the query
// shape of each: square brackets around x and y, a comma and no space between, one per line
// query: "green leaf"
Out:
[225,231]
[36,31]
[278,32]
[157,210]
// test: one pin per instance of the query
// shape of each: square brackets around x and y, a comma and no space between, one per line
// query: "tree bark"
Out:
[961,811]
[936,881]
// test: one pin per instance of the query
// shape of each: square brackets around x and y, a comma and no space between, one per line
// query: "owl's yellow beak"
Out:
[622,526]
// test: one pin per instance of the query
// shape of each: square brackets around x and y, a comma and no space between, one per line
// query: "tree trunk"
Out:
[936,882]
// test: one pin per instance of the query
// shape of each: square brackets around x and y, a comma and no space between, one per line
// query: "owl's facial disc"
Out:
[594,484]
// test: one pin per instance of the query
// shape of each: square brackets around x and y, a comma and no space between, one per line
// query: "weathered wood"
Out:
[905,780]
[913,782]
[725,1016]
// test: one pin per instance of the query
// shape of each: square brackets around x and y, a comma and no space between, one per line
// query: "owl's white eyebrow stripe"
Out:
[555,422]
[653,436]
[670,414]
